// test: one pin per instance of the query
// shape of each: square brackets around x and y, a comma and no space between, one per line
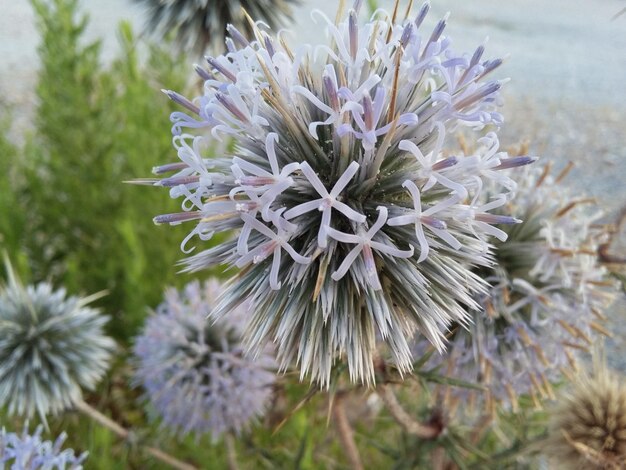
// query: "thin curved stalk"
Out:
[424,431]
[123,433]
[345,432]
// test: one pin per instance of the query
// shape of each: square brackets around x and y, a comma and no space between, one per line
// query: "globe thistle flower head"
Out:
[199,24]
[588,424]
[545,301]
[51,346]
[194,373]
[29,452]
[352,217]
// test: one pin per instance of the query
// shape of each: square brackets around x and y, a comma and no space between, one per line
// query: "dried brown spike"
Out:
[564,172]
[544,174]
[394,15]
[588,426]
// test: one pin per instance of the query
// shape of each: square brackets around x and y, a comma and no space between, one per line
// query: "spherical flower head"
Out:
[194,372]
[51,346]
[29,452]
[199,24]
[588,424]
[352,218]
[544,307]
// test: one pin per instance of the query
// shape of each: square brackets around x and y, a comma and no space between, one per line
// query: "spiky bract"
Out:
[199,24]
[546,297]
[29,452]
[195,373]
[51,346]
[352,217]
[588,424]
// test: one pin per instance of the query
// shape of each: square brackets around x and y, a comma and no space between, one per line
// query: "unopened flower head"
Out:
[195,373]
[51,346]
[352,217]
[199,24]
[546,298]
[29,452]
[588,424]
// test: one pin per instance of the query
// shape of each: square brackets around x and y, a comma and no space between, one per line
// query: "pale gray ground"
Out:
[566,97]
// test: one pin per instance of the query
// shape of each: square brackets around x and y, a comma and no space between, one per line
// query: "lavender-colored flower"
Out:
[195,373]
[200,23]
[352,216]
[545,301]
[29,452]
[51,346]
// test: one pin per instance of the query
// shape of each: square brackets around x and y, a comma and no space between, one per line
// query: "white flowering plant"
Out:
[351,217]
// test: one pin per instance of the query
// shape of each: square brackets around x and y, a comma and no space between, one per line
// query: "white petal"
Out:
[344,179]
[270,141]
[347,262]
[343,237]
[298,258]
[403,220]
[274,284]
[349,212]
[415,194]
[391,250]
[322,234]
[312,98]
[382,218]
[259,226]
[303,208]
[251,167]
[313,179]
[445,236]
[242,242]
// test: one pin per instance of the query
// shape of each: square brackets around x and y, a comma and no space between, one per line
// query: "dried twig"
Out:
[345,432]
[424,431]
[124,433]
[231,452]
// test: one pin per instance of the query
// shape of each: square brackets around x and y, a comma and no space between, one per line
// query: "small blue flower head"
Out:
[545,302]
[352,217]
[28,452]
[51,346]
[195,374]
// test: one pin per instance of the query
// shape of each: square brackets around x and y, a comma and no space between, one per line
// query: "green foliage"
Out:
[12,215]
[95,128]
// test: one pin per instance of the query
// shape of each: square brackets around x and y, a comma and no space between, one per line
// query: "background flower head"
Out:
[29,452]
[352,217]
[51,346]
[199,24]
[194,373]
[546,299]
[588,424]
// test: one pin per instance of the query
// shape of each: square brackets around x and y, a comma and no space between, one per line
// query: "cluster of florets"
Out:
[352,218]
[195,373]
[29,452]
[546,296]
[51,346]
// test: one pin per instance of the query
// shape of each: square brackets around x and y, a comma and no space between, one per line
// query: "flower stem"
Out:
[345,432]
[424,431]
[108,423]
[231,452]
